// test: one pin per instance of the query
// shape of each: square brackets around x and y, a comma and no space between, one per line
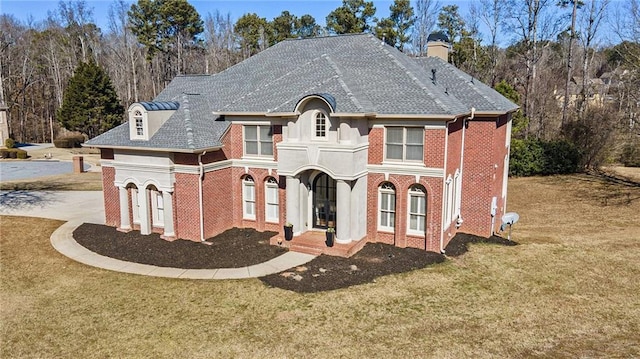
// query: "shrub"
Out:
[534,157]
[9,143]
[560,157]
[630,156]
[21,154]
[4,153]
[526,158]
[61,143]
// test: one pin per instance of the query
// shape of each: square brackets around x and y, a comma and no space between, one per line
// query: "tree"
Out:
[451,23]
[352,17]
[255,33]
[572,36]
[491,12]
[284,26]
[426,11]
[307,27]
[394,29]
[167,27]
[90,103]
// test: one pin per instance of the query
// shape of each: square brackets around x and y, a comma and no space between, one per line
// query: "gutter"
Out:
[200,190]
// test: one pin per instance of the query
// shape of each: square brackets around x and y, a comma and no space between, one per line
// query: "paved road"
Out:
[79,207]
[11,170]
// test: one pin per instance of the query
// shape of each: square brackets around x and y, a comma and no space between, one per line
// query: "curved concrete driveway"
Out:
[77,207]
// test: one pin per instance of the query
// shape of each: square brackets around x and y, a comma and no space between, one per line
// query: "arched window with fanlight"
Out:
[271,200]
[386,207]
[137,117]
[321,125]
[417,210]
[248,198]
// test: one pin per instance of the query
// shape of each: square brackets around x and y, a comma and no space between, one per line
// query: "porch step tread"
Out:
[314,243]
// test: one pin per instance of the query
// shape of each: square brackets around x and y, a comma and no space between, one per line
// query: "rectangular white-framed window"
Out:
[258,140]
[417,211]
[248,198]
[404,144]
[271,201]
[157,208]
[135,205]
[386,207]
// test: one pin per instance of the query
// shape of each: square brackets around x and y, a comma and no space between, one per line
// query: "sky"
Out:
[37,10]
[319,9]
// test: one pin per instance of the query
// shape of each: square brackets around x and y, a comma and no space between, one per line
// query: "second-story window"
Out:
[404,143]
[258,140]
[320,125]
[137,116]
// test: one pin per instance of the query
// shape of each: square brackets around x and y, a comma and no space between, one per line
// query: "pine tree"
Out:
[90,103]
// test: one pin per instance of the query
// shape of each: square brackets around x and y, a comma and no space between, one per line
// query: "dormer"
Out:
[145,118]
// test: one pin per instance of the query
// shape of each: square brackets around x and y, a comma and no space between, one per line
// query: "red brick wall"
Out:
[106,153]
[434,147]
[111,197]
[376,145]
[483,169]
[433,186]
[187,206]
[454,149]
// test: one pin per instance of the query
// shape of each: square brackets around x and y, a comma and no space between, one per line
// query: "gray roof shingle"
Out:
[359,72]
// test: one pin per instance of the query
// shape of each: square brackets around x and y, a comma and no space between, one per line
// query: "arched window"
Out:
[417,210]
[320,125]
[386,207]
[271,200]
[137,117]
[248,198]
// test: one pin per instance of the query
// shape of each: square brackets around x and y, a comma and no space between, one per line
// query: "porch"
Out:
[313,242]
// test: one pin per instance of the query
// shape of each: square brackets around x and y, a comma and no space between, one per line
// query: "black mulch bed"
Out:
[459,244]
[234,248]
[372,261]
[244,247]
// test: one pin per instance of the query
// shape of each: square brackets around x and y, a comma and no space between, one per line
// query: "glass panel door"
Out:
[324,201]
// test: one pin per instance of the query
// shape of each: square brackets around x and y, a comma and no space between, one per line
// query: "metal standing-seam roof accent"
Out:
[160,105]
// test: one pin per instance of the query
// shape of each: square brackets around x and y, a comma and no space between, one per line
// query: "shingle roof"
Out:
[471,92]
[358,73]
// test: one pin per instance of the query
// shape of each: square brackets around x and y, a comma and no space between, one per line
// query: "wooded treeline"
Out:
[572,65]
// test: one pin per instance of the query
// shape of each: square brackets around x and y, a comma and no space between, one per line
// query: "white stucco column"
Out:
[125,224]
[145,211]
[343,212]
[293,203]
[167,199]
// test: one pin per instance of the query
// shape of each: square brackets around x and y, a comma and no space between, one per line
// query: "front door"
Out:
[324,201]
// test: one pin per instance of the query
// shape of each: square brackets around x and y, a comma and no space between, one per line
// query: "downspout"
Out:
[464,131]
[444,180]
[200,190]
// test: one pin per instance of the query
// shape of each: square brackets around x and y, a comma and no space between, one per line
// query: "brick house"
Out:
[340,131]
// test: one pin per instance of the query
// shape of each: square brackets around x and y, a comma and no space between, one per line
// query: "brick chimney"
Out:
[438,46]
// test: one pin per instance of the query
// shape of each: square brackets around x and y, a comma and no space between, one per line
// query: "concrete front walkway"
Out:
[77,207]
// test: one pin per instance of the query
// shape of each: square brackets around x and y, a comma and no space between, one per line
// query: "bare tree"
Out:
[589,24]
[426,20]
[491,13]
[572,36]
[533,21]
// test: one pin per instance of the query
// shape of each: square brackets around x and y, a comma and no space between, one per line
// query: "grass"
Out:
[569,290]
